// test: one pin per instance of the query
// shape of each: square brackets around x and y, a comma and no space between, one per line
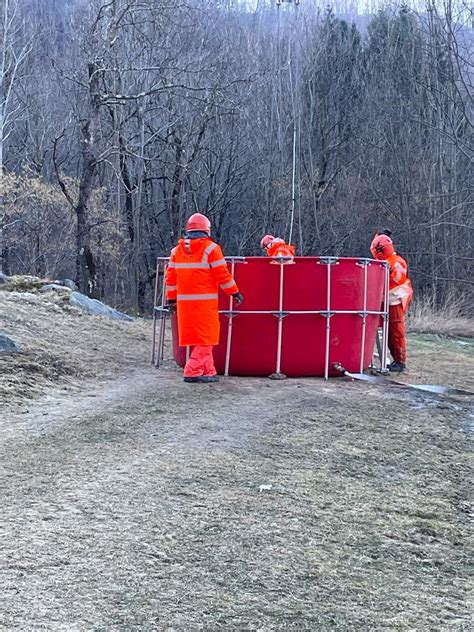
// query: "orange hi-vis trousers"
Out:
[201,362]
[397,340]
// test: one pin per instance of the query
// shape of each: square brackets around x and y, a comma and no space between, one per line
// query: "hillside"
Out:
[62,347]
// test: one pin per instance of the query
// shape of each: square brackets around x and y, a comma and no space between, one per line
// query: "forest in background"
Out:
[119,118]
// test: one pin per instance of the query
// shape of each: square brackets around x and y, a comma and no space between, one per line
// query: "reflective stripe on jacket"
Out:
[196,271]
[400,289]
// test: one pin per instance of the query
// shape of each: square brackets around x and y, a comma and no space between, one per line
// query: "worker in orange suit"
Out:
[196,271]
[399,297]
[276,247]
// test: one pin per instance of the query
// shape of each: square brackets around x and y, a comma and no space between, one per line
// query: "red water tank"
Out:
[300,318]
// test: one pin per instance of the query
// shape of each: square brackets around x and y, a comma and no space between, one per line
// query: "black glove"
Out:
[171,306]
[239,299]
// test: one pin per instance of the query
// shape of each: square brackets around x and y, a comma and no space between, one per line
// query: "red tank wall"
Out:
[255,336]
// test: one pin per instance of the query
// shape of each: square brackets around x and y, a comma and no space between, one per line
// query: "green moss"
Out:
[433,343]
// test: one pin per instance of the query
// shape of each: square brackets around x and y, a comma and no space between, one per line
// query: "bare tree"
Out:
[278,117]
[15,50]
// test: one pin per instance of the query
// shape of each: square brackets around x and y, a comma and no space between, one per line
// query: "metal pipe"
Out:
[280,322]
[155,299]
[322,312]
[385,319]
[161,348]
[322,259]
[328,324]
[236,258]
[364,318]
[229,327]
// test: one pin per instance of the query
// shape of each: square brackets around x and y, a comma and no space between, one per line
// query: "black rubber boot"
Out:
[208,378]
[192,379]
[397,367]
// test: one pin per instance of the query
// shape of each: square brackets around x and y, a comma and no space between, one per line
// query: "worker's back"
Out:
[194,273]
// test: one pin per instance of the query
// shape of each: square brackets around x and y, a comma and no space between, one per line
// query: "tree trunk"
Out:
[86,271]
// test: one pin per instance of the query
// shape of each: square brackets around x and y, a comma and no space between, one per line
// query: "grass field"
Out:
[133,501]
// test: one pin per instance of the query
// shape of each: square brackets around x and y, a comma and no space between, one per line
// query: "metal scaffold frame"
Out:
[160,312]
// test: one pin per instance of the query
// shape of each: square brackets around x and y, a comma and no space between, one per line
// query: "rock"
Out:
[70,284]
[8,345]
[3,278]
[96,308]
[54,287]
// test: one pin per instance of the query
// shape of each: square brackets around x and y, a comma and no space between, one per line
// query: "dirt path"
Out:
[150,504]
[68,403]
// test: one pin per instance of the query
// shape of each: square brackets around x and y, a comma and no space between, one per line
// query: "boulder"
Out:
[70,284]
[54,287]
[96,308]
[8,345]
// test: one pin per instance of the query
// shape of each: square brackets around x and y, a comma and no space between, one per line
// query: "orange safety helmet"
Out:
[198,221]
[266,241]
[382,247]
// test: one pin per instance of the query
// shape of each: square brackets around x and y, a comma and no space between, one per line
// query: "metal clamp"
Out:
[328,261]
[236,260]
[280,314]
[161,312]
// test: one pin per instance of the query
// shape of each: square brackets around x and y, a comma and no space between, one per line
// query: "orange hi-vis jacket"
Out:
[278,248]
[400,289]
[196,270]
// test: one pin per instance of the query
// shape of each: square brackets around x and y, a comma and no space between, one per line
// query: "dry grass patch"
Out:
[452,318]
[24,283]
[149,515]
[61,345]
